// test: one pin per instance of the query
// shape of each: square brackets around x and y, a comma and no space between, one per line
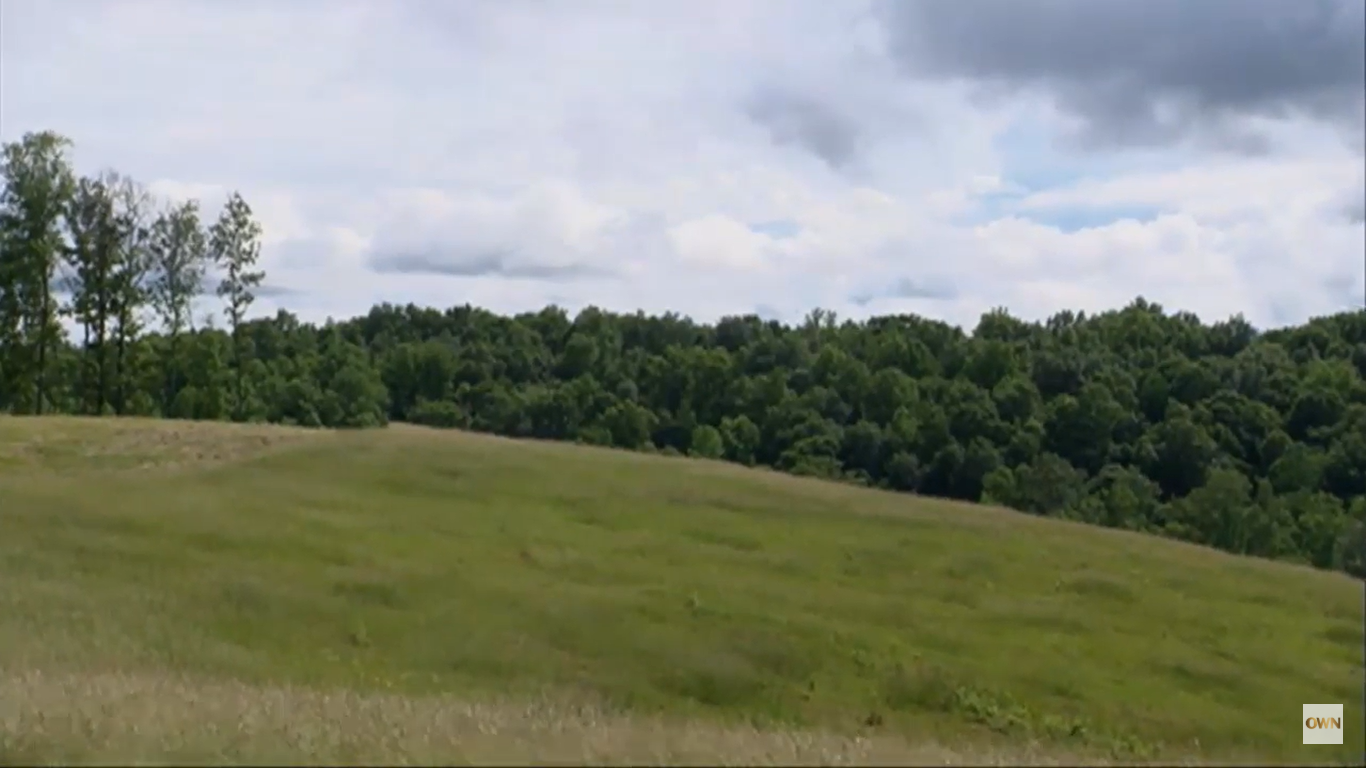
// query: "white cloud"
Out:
[1217,190]
[611,153]
[720,242]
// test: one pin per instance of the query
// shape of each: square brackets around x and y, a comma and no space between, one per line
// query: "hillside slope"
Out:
[186,580]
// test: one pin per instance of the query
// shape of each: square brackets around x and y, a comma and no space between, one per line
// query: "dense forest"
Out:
[1250,442]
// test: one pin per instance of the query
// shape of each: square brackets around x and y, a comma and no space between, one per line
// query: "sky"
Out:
[717,157]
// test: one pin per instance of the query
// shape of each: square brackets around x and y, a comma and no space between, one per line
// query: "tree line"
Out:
[1218,434]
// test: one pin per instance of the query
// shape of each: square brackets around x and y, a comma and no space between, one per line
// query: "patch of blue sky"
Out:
[1073,219]
[1035,158]
[780,229]
[925,287]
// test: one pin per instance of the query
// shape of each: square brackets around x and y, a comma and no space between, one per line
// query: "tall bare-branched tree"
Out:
[90,220]
[178,249]
[235,246]
[108,264]
[129,283]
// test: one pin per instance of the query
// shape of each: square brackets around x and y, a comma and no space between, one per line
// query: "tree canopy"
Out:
[1218,434]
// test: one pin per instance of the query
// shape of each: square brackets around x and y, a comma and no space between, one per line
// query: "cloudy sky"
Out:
[718,157]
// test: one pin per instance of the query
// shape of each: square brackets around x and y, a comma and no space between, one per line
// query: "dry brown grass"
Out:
[71,444]
[154,718]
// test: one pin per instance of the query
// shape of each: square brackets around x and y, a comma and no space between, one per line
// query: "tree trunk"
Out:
[85,364]
[172,365]
[40,381]
[120,353]
[101,332]
[239,406]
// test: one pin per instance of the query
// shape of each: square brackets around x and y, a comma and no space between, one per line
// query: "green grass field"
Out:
[176,591]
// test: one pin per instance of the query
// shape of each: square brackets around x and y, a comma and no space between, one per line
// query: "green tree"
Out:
[629,424]
[1216,514]
[1252,442]
[128,279]
[1048,485]
[178,258]
[1179,453]
[1322,524]
[234,245]
[92,222]
[741,438]
[706,442]
[37,184]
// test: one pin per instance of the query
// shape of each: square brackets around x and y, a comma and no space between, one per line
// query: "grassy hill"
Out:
[179,591]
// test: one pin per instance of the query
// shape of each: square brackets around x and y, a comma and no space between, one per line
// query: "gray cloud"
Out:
[1151,72]
[1348,286]
[303,254]
[908,288]
[273,291]
[208,288]
[1348,204]
[491,263]
[584,141]
[767,312]
[805,122]
[1356,210]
